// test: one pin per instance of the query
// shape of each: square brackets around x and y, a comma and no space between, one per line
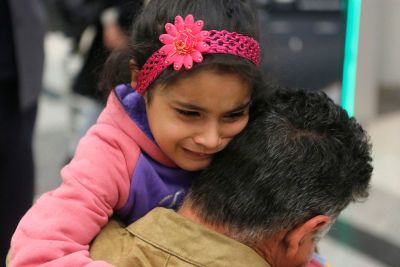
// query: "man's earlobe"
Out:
[304,234]
[134,73]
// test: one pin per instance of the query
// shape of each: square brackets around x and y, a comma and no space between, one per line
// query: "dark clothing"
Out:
[128,11]
[28,29]
[87,79]
[16,157]
[21,66]
[86,82]
[8,66]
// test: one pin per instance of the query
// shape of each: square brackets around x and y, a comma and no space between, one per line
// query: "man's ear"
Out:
[134,73]
[303,235]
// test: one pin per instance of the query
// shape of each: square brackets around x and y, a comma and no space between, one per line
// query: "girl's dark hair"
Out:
[231,15]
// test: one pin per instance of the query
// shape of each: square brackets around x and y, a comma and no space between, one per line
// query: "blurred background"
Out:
[303,44]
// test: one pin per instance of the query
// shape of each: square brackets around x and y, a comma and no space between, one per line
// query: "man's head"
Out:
[280,184]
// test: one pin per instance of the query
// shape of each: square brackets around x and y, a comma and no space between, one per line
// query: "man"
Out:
[21,65]
[265,200]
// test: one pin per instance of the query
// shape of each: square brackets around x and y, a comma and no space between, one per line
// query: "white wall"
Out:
[390,52]
[369,60]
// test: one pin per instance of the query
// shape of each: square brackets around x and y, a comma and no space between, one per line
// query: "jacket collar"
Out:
[192,242]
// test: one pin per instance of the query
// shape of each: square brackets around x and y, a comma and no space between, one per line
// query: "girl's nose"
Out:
[210,138]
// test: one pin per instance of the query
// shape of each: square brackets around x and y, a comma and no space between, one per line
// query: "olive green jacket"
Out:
[164,238]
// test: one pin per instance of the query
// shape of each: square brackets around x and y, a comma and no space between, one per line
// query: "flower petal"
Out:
[202,47]
[202,35]
[179,23]
[196,56]
[188,62]
[171,29]
[178,62]
[166,49]
[197,26]
[189,19]
[166,38]
[170,58]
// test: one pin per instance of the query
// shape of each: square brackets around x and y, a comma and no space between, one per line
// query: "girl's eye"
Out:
[188,113]
[235,115]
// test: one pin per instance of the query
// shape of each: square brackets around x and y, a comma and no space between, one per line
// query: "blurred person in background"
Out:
[96,28]
[21,65]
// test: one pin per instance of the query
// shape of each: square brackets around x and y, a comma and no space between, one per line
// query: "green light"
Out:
[350,55]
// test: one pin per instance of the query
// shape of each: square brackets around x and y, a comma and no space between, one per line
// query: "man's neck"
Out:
[263,249]
[187,212]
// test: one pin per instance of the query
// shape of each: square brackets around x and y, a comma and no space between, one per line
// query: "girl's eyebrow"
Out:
[198,108]
[241,107]
[188,105]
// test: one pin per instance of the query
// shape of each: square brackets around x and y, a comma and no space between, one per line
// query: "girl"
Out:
[192,86]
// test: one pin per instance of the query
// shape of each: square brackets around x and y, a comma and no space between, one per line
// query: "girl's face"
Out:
[197,116]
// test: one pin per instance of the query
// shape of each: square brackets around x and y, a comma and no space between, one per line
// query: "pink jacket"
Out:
[57,230]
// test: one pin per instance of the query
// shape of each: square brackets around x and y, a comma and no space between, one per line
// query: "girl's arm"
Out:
[57,230]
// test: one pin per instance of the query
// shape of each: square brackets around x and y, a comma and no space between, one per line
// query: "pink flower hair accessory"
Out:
[185,43]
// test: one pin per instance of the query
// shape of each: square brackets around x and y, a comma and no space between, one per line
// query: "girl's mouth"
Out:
[199,154]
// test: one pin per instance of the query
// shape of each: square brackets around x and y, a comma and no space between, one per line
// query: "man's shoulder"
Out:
[165,238]
[190,244]
[120,246]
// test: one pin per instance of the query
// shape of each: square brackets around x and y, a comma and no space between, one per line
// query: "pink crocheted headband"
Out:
[185,42]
